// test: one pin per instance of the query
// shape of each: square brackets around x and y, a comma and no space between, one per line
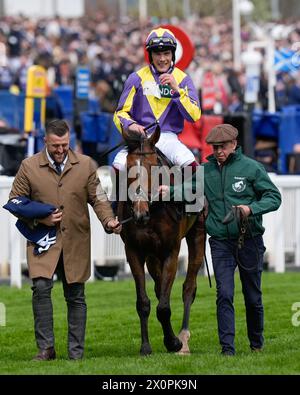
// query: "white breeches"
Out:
[170,146]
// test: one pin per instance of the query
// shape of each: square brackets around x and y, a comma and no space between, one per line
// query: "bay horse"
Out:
[154,236]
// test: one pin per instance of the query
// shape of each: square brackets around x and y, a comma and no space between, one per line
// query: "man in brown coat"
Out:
[69,181]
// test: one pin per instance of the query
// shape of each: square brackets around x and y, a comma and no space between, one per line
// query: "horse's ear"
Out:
[153,139]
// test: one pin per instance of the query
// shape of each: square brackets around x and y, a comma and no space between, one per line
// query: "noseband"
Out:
[140,194]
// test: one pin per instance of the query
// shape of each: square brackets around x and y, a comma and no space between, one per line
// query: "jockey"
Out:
[159,91]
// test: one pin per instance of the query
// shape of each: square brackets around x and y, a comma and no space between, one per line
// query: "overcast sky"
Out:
[44,7]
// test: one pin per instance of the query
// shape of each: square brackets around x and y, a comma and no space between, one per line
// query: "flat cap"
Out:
[221,133]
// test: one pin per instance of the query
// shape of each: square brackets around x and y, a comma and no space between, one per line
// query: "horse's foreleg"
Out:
[196,244]
[143,310]
[163,310]
[142,300]
[188,295]
[155,270]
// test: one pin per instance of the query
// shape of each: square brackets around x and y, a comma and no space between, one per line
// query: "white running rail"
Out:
[282,235]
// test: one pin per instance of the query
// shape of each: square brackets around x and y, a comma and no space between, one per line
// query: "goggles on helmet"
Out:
[160,40]
[160,43]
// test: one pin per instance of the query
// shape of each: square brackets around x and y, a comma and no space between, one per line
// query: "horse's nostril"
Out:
[142,218]
[138,217]
[146,218]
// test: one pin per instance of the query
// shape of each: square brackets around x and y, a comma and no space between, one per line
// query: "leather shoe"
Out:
[256,349]
[227,353]
[45,355]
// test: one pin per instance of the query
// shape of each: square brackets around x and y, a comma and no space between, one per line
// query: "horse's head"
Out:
[141,157]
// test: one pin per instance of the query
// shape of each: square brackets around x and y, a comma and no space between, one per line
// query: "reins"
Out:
[237,214]
[124,221]
[123,142]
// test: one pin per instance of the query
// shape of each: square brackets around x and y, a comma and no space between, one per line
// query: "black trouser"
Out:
[43,313]
[224,262]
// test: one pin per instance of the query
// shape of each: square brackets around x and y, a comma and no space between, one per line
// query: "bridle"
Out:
[140,193]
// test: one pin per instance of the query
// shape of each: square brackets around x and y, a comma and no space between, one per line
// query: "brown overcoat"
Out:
[71,192]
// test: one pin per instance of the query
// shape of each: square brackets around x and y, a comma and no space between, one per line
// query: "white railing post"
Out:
[4,237]
[297,226]
[5,186]
[274,234]
[278,254]
[97,242]
[15,254]
[208,258]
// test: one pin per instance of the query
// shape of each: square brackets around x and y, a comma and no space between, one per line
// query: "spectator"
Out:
[105,94]
[64,73]
[293,90]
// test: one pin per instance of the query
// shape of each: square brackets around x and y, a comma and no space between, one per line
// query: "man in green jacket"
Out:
[234,183]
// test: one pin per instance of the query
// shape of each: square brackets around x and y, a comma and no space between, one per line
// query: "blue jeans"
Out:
[250,260]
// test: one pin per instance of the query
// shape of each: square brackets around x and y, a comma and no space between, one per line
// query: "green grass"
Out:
[113,334]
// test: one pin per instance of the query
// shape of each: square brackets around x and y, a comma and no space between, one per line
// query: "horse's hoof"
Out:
[183,352]
[145,350]
[173,345]
[184,336]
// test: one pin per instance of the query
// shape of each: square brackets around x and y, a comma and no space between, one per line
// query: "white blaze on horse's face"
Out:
[138,192]
[138,164]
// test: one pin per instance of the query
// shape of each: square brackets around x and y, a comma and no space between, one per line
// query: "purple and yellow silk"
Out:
[145,100]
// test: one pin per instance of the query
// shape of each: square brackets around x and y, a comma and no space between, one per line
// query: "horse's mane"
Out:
[132,140]
[133,143]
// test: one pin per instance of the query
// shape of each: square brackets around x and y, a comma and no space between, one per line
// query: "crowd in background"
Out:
[113,49]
